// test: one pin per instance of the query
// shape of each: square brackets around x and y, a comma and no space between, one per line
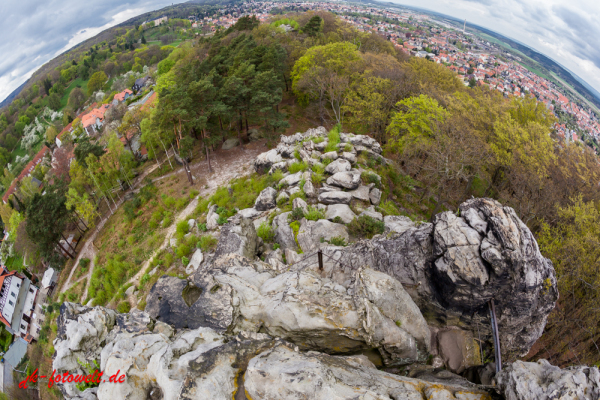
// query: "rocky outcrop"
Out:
[282,373]
[455,265]
[236,294]
[266,199]
[159,362]
[238,238]
[542,381]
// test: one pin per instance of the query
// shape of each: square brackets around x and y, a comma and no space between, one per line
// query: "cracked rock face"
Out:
[455,265]
[238,295]
[201,364]
[542,381]
[275,374]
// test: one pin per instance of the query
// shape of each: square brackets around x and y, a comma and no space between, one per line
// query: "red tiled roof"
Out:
[121,96]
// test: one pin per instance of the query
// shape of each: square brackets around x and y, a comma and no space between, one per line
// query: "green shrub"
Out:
[182,228]
[194,193]
[265,232]
[296,195]
[202,227]
[145,279]
[296,215]
[338,241]
[298,166]
[181,203]
[202,206]
[131,240]
[389,208]
[337,220]
[84,262]
[314,214]
[318,139]
[207,242]
[72,296]
[182,250]
[318,175]
[277,175]
[297,155]
[333,139]
[124,307]
[276,246]
[348,147]
[295,227]
[169,202]
[221,220]
[185,260]
[370,177]
[365,226]
[168,259]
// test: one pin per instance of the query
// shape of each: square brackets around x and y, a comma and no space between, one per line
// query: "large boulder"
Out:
[264,161]
[347,179]
[335,197]
[283,373]
[230,143]
[339,165]
[266,200]
[311,233]
[397,224]
[542,381]
[195,261]
[342,211]
[458,349]
[212,218]
[292,179]
[455,265]
[284,235]
[238,238]
[234,294]
[361,193]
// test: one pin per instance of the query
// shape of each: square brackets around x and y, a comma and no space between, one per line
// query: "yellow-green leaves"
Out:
[416,121]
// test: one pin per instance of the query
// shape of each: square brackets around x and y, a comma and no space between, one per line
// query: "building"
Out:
[17,301]
[160,21]
[139,83]
[120,97]
[93,120]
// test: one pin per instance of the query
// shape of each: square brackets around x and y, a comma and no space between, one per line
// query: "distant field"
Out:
[65,98]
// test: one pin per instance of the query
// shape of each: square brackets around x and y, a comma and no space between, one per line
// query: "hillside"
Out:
[228,154]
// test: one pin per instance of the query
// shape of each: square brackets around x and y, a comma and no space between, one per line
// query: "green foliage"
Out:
[265,232]
[318,175]
[299,166]
[202,227]
[337,220]
[185,260]
[370,177]
[222,220]
[207,242]
[295,225]
[124,307]
[314,214]
[333,139]
[419,117]
[182,228]
[365,226]
[202,206]
[145,279]
[338,241]
[286,21]
[389,208]
[296,214]
[183,250]
[89,369]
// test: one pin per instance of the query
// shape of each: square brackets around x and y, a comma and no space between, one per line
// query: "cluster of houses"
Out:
[23,303]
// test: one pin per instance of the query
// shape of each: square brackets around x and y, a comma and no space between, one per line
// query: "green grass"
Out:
[65,99]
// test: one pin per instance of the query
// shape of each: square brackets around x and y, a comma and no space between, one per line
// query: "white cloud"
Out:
[34,32]
[567,32]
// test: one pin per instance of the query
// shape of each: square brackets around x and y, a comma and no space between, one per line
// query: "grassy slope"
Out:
[77,82]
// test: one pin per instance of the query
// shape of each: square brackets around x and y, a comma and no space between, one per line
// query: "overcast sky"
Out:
[35,31]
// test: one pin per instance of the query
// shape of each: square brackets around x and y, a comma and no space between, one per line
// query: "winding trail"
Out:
[226,166]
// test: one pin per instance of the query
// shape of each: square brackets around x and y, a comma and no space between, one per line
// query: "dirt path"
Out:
[225,170]
[226,165]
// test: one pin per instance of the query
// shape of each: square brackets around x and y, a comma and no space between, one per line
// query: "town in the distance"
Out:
[473,58]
